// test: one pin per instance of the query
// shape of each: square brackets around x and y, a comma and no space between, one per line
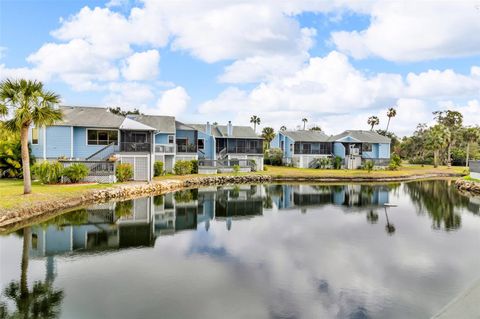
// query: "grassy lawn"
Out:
[11,192]
[12,197]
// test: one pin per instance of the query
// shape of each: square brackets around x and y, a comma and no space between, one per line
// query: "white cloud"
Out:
[173,102]
[423,30]
[335,95]
[141,66]
[129,95]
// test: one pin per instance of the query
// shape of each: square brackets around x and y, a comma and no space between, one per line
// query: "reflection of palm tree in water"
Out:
[43,301]
[389,228]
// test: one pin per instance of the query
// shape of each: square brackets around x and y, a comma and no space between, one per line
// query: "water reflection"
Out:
[100,229]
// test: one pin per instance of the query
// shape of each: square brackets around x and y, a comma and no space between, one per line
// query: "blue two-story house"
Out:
[95,134]
[304,148]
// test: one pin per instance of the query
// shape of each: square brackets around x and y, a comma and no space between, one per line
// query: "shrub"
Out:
[274,156]
[124,172]
[368,165]
[11,158]
[48,172]
[325,162]
[158,168]
[254,165]
[194,166]
[395,162]
[236,168]
[76,172]
[183,167]
[337,162]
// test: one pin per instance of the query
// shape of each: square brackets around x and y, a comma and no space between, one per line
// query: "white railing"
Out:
[165,148]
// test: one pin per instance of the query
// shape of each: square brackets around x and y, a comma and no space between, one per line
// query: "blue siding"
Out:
[384,150]
[275,143]
[162,138]
[80,147]
[37,150]
[373,153]
[58,141]
[288,147]
[190,135]
[339,149]
[209,151]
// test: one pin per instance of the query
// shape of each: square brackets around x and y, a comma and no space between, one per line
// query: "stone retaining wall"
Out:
[468,186]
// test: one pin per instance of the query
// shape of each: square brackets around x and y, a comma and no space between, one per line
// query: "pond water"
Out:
[250,251]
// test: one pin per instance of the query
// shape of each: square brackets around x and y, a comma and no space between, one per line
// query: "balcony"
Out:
[183,148]
[135,147]
[165,148]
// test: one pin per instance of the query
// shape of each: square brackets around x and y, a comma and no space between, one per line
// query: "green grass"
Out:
[11,191]
[471,179]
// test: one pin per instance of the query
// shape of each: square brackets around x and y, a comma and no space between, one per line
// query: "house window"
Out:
[35,135]
[201,144]
[171,139]
[366,147]
[102,137]
[282,145]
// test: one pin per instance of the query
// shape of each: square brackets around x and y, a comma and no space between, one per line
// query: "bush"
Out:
[194,166]
[124,172]
[325,162]
[11,158]
[236,168]
[76,172]
[337,162]
[395,162]
[48,172]
[368,165]
[183,167]
[157,168]
[274,156]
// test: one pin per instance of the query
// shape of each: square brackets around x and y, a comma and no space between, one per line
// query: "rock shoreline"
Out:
[469,187]
[17,218]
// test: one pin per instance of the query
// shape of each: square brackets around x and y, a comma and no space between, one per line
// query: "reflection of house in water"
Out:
[100,229]
[314,195]
[137,223]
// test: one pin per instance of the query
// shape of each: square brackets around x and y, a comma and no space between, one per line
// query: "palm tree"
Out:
[23,103]
[453,121]
[256,121]
[372,121]
[437,138]
[283,128]
[390,113]
[470,135]
[268,134]
[304,120]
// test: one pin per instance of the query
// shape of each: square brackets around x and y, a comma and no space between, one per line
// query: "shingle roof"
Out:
[221,131]
[89,117]
[163,124]
[362,136]
[182,126]
[306,136]
[132,125]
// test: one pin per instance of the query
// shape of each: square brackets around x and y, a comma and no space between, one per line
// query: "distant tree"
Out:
[372,121]
[25,103]
[390,113]
[436,139]
[283,128]
[470,135]
[304,120]
[215,123]
[255,120]
[453,121]
[268,134]
[117,110]
[315,128]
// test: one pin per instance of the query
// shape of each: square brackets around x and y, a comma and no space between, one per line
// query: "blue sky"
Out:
[335,63]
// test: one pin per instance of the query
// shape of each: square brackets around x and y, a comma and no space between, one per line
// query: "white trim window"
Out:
[35,135]
[102,137]
[171,139]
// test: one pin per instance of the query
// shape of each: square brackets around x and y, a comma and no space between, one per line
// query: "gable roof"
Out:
[89,117]
[163,124]
[306,136]
[182,126]
[220,131]
[361,136]
[129,124]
